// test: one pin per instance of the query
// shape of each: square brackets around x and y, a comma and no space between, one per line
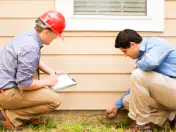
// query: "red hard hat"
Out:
[54,20]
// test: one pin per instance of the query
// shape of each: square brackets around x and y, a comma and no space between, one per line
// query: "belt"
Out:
[3,90]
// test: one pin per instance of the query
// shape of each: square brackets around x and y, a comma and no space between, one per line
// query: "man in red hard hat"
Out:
[22,96]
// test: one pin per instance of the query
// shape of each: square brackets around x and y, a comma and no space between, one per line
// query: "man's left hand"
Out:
[111,112]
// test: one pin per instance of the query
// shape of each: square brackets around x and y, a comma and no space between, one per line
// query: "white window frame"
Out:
[154,21]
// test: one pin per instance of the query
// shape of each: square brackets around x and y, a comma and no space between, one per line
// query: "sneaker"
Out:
[5,121]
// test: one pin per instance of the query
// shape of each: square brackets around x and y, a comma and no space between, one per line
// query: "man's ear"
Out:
[45,31]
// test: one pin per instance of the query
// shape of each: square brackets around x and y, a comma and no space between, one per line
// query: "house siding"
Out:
[101,70]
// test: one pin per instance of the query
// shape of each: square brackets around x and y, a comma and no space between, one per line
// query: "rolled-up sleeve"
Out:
[28,61]
[119,103]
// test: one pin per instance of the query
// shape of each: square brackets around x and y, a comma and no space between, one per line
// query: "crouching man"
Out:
[22,97]
[153,83]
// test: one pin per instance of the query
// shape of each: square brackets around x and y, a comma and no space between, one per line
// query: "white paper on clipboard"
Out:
[63,82]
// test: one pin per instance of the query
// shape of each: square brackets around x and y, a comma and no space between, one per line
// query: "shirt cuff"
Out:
[25,83]
[119,104]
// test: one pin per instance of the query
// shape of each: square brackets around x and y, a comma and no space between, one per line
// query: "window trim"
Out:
[154,21]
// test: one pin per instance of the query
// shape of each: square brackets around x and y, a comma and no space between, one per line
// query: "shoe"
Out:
[132,125]
[19,128]
[135,127]
[38,122]
[5,121]
[172,123]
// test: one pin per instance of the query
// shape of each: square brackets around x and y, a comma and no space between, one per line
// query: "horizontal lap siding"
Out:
[88,100]
[97,82]
[83,45]
[11,27]
[89,63]
[101,70]
[24,9]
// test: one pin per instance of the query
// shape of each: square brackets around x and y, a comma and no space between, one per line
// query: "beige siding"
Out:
[98,82]
[24,8]
[89,63]
[170,9]
[101,70]
[84,45]
[89,100]
[10,27]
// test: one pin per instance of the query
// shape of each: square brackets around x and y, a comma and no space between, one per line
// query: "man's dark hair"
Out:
[126,36]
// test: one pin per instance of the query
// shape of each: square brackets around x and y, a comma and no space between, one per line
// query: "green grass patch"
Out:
[70,126]
[83,125]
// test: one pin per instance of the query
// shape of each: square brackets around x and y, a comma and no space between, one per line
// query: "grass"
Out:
[83,125]
[73,126]
[67,126]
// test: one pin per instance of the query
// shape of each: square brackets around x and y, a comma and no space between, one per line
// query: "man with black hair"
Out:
[153,83]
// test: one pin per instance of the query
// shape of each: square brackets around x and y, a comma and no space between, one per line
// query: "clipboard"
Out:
[63,82]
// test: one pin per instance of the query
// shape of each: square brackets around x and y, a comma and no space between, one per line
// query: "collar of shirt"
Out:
[37,37]
[143,47]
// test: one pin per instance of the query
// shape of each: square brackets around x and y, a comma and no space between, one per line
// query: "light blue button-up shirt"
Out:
[157,55]
[19,59]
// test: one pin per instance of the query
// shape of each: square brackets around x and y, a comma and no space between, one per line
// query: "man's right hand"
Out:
[52,80]
[111,112]
[37,84]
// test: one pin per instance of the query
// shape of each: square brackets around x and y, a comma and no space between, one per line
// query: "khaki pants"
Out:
[152,96]
[26,105]
[126,101]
